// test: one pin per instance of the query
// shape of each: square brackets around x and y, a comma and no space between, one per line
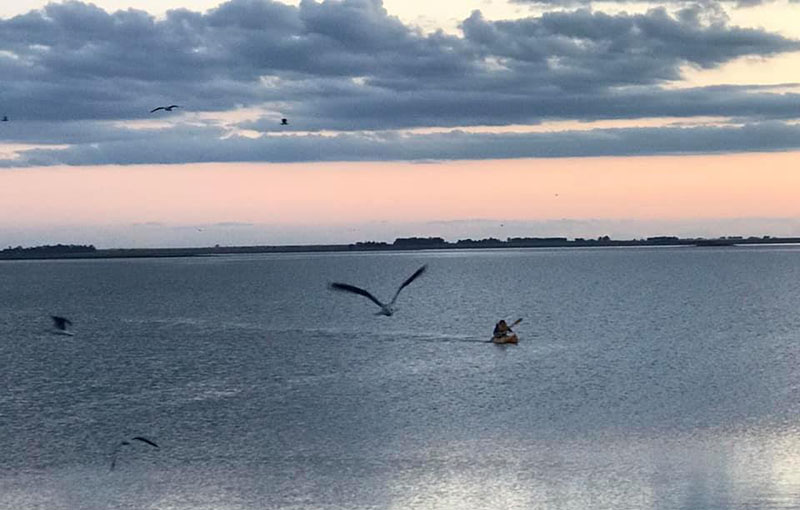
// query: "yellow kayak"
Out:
[506,339]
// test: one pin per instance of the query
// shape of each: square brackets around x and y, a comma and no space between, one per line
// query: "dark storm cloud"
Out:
[162,148]
[71,68]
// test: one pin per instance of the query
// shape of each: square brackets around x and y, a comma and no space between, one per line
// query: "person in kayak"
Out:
[501,329]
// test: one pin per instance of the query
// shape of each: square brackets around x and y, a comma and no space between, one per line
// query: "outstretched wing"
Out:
[144,440]
[156,109]
[170,107]
[344,287]
[515,323]
[410,279]
[116,452]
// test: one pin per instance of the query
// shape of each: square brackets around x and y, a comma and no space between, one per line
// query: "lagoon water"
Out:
[645,379]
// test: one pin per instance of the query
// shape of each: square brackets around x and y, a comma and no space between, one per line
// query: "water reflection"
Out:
[757,468]
[640,382]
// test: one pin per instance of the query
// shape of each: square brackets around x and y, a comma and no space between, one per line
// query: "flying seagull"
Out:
[165,108]
[284,122]
[60,324]
[386,309]
[128,443]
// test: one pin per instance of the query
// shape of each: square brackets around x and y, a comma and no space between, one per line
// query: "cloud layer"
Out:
[75,74]
[706,3]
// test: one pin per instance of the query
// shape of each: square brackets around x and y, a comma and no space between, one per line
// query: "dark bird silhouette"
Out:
[61,323]
[386,309]
[5,118]
[284,122]
[121,444]
[165,108]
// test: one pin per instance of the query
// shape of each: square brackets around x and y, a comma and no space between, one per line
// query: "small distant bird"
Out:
[386,309]
[284,122]
[5,118]
[60,324]
[165,108]
[128,443]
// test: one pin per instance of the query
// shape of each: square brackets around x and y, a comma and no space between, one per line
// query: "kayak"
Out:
[506,339]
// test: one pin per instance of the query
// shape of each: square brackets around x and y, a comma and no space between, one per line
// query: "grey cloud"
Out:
[378,110]
[595,49]
[76,61]
[706,3]
[78,132]
[162,149]
[348,65]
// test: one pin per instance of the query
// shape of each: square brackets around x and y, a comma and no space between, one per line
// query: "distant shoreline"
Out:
[402,244]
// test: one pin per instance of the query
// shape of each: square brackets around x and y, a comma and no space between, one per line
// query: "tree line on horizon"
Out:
[439,242]
[51,248]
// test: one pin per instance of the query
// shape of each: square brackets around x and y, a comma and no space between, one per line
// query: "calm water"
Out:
[645,378]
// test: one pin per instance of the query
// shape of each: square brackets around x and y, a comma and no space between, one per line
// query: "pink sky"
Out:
[309,197]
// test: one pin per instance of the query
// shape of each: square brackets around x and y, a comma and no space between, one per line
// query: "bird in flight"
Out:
[165,108]
[284,122]
[60,324]
[121,444]
[386,309]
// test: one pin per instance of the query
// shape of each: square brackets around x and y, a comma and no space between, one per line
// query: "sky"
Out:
[468,118]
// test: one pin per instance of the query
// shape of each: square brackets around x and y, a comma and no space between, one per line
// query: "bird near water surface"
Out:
[387,309]
[60,324]
[122,444]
